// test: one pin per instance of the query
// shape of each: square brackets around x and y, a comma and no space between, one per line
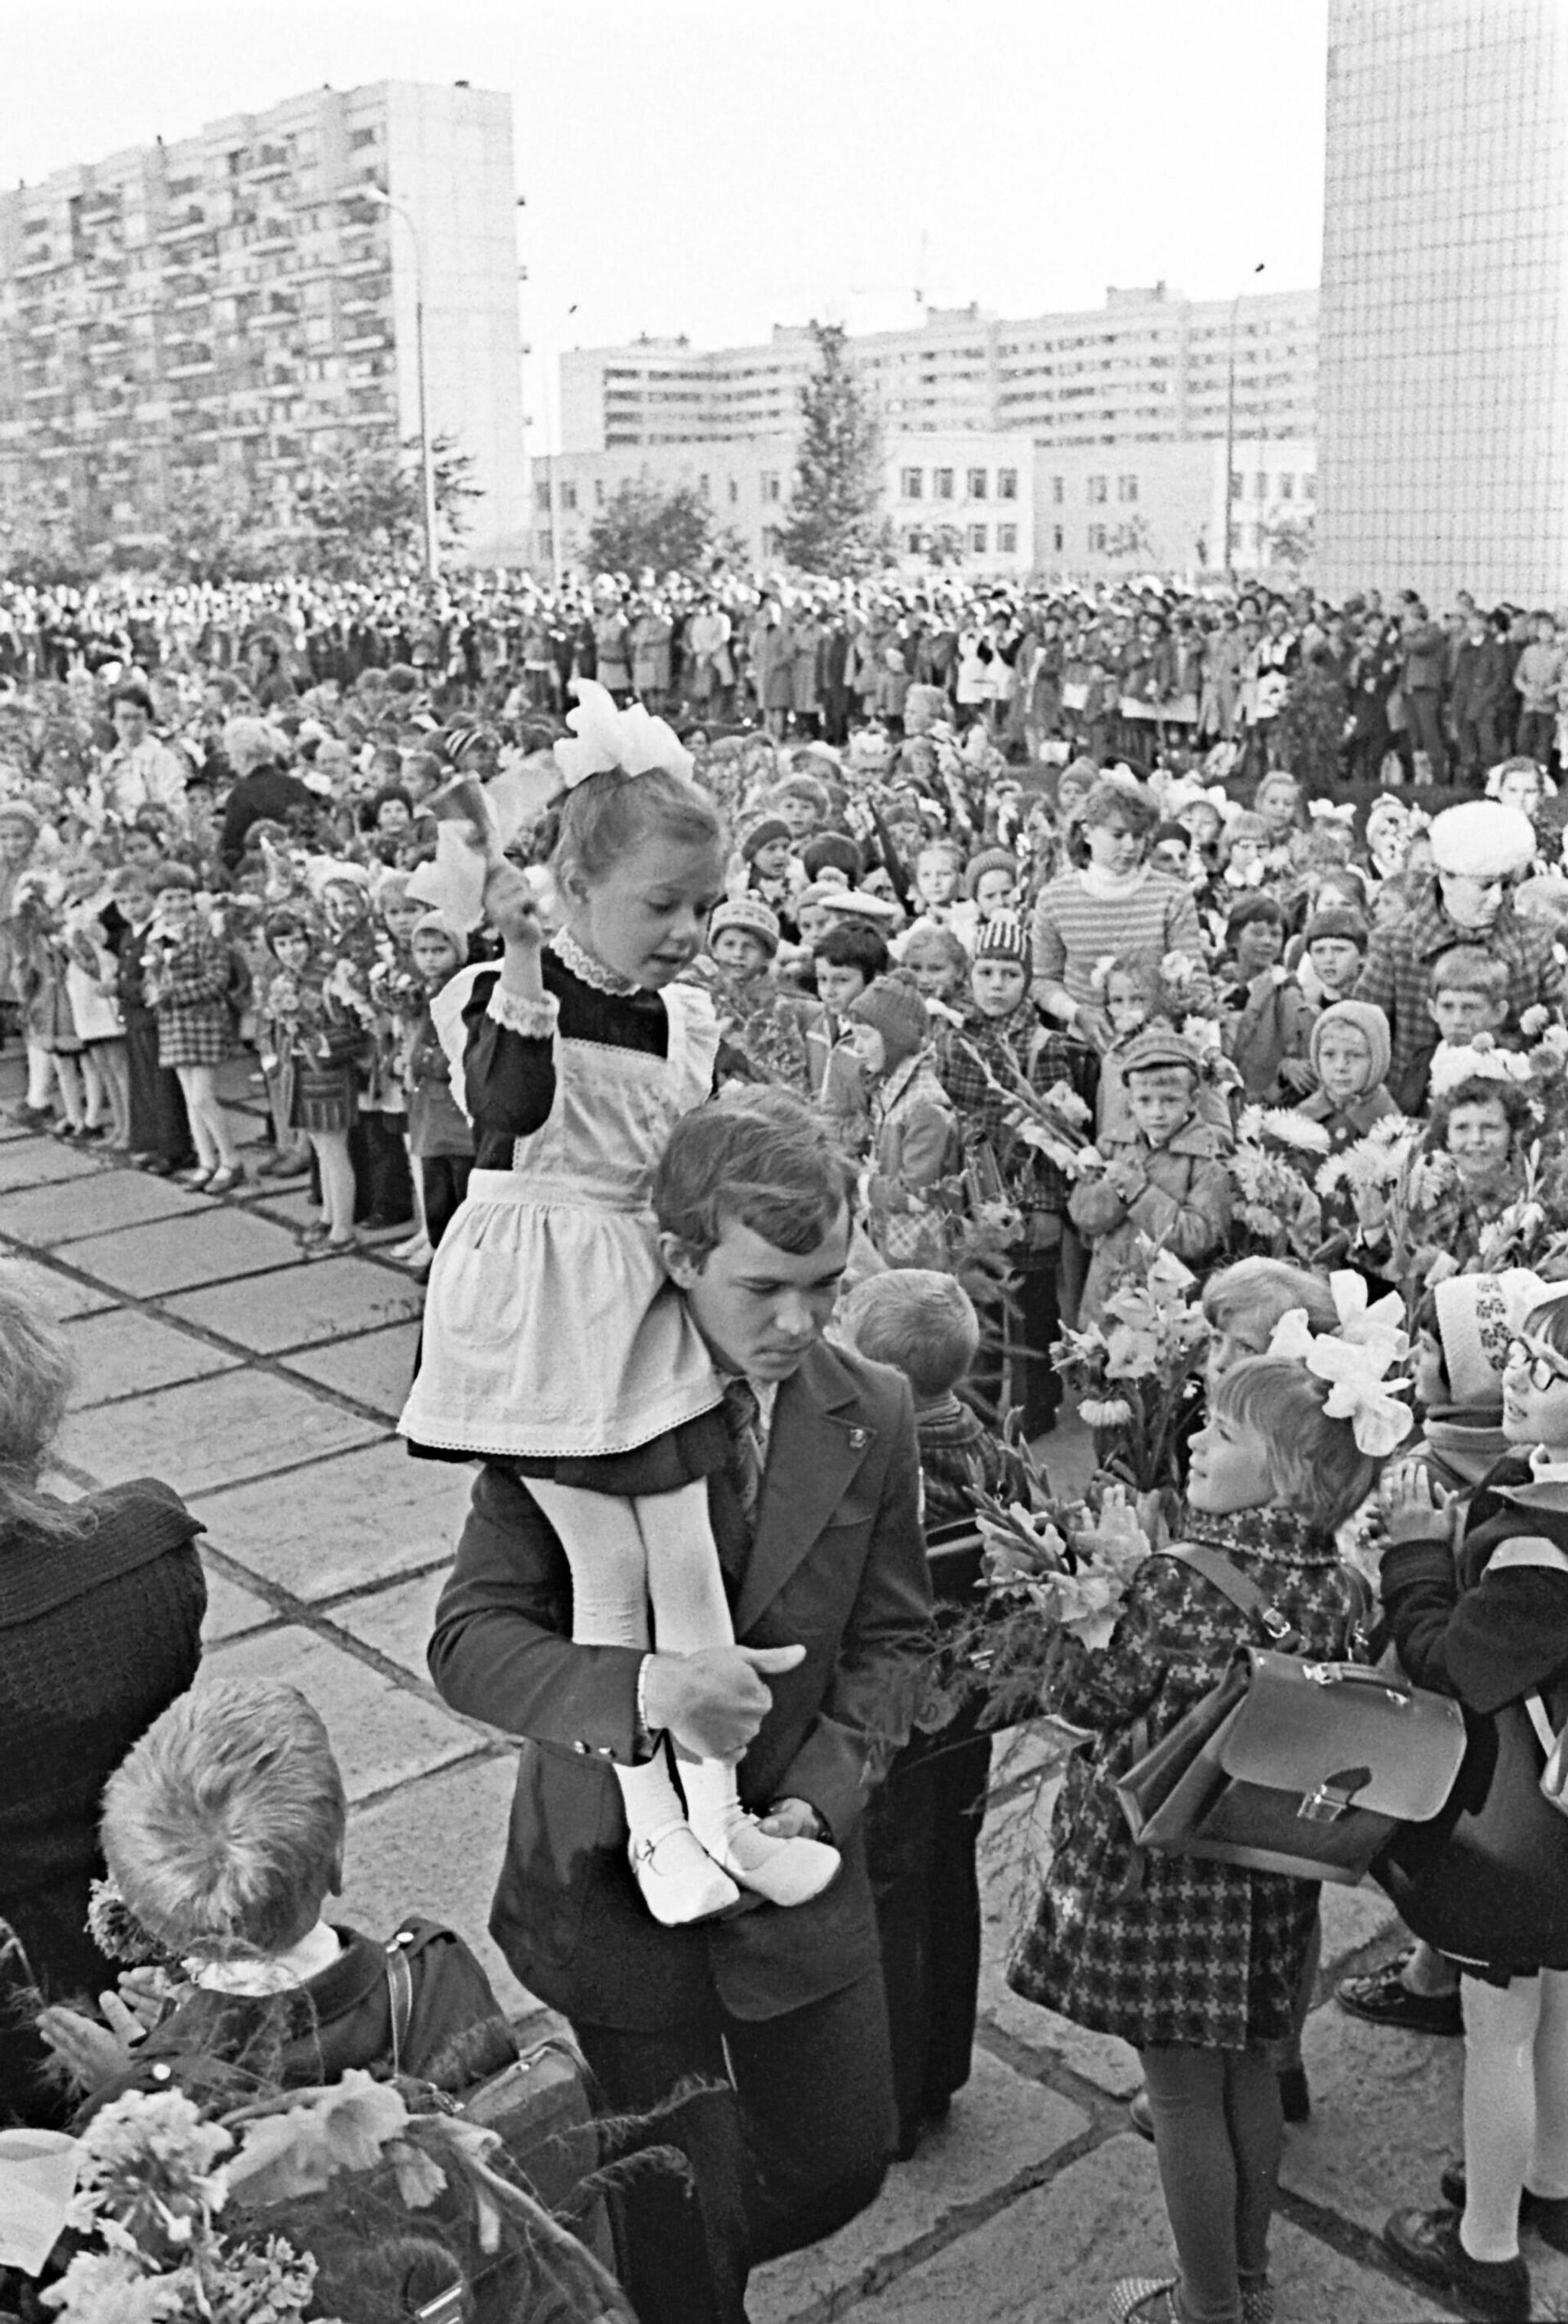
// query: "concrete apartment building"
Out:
[1444,372]
[1149,367]
[1105,431]
[233,306]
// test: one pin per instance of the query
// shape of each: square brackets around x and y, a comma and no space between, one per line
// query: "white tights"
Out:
[629,1559]
[1516,2104]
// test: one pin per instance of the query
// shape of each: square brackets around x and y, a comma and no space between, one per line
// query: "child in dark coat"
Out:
[923,1825]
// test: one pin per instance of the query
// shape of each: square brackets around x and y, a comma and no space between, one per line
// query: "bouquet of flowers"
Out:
[316,2203]
[1276,1212]
[1136,1370]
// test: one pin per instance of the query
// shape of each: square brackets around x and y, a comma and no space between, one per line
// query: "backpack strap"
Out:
[1216,1568]
[400,1978]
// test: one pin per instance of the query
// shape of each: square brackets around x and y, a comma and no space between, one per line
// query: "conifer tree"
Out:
[833,525]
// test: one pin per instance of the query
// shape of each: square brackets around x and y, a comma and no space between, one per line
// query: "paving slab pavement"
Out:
[266,1392]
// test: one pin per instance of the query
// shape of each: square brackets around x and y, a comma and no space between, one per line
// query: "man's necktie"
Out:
[743,1418]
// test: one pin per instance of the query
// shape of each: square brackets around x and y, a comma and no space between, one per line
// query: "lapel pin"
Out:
[859,1438]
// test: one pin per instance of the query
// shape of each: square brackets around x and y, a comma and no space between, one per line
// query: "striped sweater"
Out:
[1073,929]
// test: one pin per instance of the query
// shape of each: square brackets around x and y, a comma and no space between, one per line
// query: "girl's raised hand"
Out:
[1416,1508]
[512,907]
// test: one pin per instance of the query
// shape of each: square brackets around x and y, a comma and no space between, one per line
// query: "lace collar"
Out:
[583,965]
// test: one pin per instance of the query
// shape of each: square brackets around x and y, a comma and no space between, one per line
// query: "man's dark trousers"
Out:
[792,2150]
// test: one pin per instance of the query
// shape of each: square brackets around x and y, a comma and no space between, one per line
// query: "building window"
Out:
[1126,488]
[1309,488]
[1007,483]
[1097,539]
[977,482]
[1262,483]
[361,137]
[598,491]
[1235,486]
[702,485]
[912,482]
[770,484]
[1058,539]
[1288,488]
[734,491]
[568,496]
[942,484]
[977,538]
[1099,491]
[541,493]
[1007,539]
[914,541]
[1058,494]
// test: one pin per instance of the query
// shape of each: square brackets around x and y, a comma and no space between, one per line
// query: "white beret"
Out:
[1483,839]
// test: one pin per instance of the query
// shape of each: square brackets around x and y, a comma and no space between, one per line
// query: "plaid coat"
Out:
[1165,1948]
[1398,977]
[190,980]
[1007,1049]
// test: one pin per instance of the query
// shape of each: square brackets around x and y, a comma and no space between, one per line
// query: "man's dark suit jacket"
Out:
[837,1564]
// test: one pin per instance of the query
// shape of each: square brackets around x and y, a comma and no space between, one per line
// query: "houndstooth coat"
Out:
[1165,1949]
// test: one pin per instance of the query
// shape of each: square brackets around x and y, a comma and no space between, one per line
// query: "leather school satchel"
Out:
[1289,1764]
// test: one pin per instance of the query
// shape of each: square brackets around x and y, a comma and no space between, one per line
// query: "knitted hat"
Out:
[1334,922]
[751,915]
[893,1008]
[1482,839]
[990,859]
[762,835]
[17,810]
[1476,1317]
[833,849]
[1367,1019]
[1004,937]
[1154,1050]
[437,924]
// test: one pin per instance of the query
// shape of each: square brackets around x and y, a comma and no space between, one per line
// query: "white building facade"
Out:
[1149,367]
[1444,370]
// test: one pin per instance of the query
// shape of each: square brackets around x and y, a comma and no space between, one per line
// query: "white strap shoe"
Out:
[679,1881]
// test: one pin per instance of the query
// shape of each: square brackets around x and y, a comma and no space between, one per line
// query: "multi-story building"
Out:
[966,498]
[1444,390]
[1160,508]
[1149,367]
[239,307]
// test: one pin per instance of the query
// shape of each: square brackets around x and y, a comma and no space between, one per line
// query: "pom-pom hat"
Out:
[1481,839]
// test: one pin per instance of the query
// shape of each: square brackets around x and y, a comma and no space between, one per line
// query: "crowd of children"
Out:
[1061,1017]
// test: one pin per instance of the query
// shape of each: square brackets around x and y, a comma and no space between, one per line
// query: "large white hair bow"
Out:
[607,738]
[1324,811]
[1358,1391]
[1365,1322]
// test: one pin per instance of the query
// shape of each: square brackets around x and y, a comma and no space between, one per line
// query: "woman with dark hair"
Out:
[101,1602]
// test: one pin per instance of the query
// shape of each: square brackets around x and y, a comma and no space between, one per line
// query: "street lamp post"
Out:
[427,455]
[1230,432]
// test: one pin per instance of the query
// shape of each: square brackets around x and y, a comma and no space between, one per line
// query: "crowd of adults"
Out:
[1011,913]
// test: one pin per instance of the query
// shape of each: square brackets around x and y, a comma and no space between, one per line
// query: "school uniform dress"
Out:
[551,1331]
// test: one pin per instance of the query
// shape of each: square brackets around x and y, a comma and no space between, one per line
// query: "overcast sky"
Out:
[702,167]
